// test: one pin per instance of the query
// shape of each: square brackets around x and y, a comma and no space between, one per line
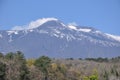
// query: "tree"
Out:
[43,63]
[35,73]
[19,57]
[2,71]
[56,72]
[30,62]
[9,55]
[16,66]
[93,77]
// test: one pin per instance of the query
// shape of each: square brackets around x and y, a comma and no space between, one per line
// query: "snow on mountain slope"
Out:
[52,37]
[12,32]
[117,38]
[85,30]
[90,34]
[72,27]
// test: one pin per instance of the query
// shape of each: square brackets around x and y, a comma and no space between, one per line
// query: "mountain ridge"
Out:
[53,38]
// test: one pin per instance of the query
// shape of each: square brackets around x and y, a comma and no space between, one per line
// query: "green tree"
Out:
[93,77]
[30,62]
[16,66]
[9,55]
[43,63]
[2,71]
[19,57]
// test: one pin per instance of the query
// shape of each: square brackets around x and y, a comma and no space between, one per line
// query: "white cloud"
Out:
[18,28]
[72,24]
[34,24]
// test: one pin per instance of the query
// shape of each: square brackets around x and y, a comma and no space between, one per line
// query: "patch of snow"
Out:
[104,43]
[97,31]
[84,30]
[62,35]
[117,38]
[34,24]
[72,27]
[16,32]
[63,24]
[31,30]
[56,35]
[12,32]
[69,38]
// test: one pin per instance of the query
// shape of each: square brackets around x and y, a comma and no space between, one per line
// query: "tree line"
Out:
[14,66]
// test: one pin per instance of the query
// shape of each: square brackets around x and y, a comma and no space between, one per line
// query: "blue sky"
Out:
[101,14]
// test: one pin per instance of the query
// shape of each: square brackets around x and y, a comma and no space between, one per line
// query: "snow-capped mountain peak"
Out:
[39,22]
[50,35]
[34,24]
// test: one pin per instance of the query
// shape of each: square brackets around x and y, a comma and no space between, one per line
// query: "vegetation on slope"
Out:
[14,66]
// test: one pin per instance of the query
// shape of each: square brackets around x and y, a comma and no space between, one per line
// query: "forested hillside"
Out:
[14,66]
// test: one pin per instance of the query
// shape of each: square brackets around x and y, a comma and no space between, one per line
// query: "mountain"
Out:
[51,37]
